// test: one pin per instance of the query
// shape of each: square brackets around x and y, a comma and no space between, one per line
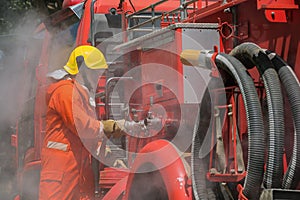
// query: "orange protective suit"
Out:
[66,164]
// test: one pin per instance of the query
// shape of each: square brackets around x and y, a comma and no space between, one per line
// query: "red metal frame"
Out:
[230,144]
[211,7]
[40,105]
[117,190]
[110,176]
[278,4]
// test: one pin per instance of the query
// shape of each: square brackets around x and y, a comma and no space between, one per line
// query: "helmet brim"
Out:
[57,74]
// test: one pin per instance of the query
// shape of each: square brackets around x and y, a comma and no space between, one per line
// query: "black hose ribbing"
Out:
[251,53]
[292,88]
[199,164]
[256,148]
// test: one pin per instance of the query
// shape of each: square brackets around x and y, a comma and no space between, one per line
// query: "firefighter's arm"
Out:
[74,116]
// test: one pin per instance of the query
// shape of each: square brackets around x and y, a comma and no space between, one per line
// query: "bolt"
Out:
[273,15]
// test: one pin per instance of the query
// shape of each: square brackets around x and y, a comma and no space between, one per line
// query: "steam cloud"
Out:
[16,81]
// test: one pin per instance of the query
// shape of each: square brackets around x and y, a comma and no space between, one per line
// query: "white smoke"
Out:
[16,81]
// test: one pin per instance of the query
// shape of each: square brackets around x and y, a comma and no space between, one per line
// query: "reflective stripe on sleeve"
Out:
[57,145]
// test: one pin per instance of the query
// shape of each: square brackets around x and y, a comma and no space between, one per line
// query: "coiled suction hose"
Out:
[256,150]
[292,88]
[252,55]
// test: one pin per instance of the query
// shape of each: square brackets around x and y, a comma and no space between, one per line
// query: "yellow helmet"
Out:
[92,56]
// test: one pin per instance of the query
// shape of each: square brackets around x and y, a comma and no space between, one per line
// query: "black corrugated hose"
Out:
[252,55]
[200,163]
[198,168]
[292,88]
[256,148]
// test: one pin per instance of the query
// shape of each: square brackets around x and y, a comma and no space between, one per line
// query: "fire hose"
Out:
[201,188]
[291,85]
[256,149]
[252,55]
[255,124]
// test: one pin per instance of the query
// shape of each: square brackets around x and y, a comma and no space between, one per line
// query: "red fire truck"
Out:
[209,90]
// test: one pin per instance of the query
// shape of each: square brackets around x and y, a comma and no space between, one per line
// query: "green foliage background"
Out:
[19,12]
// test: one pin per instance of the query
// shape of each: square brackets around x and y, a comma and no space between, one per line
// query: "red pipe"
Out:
[167,160]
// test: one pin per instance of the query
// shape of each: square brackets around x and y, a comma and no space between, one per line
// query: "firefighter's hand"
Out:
[108,127]
[113,128]
[119,128]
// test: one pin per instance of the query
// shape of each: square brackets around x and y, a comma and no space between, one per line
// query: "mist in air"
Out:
[17,79]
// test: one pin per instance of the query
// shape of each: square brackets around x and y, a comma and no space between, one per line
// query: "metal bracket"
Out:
[214,69]
[276,15]
[276,9]
[276,4]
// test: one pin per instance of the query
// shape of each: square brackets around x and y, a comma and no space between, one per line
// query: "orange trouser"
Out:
[65,177]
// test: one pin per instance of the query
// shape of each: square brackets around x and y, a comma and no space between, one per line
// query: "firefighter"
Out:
[66,171]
